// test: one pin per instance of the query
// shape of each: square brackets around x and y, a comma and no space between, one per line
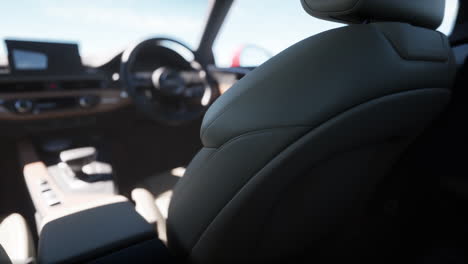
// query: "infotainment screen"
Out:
[43,58]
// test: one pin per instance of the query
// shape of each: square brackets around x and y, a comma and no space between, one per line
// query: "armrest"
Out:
[93,233]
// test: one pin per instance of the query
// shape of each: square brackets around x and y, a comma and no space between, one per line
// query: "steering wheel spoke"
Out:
[142,80]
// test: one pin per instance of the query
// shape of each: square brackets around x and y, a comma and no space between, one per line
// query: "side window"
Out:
[450,17]
[263,28]
[256,30]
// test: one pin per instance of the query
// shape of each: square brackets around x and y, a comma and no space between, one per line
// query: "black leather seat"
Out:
[296,148]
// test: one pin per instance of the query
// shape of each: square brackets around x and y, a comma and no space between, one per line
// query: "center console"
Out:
[66,181]
[79,215]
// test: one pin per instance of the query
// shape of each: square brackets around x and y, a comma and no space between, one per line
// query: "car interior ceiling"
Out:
[417,214]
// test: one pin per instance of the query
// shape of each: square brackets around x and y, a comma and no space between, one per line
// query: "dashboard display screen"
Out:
[29,60]
[43,58]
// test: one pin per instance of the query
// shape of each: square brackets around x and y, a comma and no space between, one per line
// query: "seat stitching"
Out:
[247,134]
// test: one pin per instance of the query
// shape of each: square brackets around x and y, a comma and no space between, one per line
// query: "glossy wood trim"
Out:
[111,100]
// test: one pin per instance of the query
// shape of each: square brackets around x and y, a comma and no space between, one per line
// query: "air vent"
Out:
[79,85]
[19,87]
[38,86]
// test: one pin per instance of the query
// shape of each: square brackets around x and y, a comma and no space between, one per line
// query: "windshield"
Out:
[102,28]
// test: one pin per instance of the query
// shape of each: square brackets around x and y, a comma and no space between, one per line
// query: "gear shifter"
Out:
[79,157]
[82,161]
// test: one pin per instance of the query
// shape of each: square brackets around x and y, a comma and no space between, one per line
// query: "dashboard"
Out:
[47,80]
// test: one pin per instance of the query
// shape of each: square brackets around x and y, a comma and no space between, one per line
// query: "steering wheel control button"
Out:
[169,82]
[23,106]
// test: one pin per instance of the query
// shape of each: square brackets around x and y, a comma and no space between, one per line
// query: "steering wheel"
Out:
[173,93]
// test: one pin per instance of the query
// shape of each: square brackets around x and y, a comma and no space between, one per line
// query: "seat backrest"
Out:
[295,149]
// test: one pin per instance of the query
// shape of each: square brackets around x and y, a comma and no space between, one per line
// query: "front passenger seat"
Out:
[296,148]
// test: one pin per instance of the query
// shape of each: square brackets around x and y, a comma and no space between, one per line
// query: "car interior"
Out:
[346,146]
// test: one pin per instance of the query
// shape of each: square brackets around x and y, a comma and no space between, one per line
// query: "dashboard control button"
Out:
[23,106]
[42,181]
[88,101]
[44,187]
[53,202]
[50,198]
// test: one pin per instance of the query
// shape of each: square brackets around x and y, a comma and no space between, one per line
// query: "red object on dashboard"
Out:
[236,57]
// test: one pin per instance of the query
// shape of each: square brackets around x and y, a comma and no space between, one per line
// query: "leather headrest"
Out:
[423,13]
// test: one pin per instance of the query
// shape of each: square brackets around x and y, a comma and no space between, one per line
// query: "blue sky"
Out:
[102,28]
